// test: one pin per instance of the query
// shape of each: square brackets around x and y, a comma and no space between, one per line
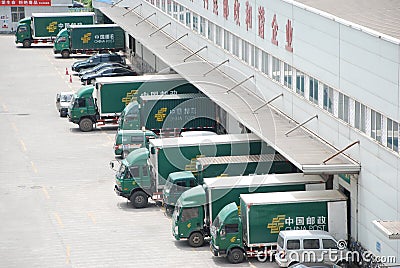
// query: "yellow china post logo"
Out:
[52,27]
[161,114]
[277,223]
[130,96]
[86,38]
[189,225]
[233,239]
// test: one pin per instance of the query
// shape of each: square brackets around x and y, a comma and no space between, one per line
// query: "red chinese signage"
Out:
[289,36]
[226,9]
[215,7]
[236,8]
[25,2]
[249,16]
[205,4]
[275,28]
[261,21]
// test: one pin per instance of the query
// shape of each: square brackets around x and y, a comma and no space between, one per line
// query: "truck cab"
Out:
[187,219]
[61,45]
[82,109]
[226,234]
[177,183]
[133,178]
[129,118]
[23,33]
[127,141]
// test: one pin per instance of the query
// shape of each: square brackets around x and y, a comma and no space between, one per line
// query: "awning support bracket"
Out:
[240,83]
[159,29]
[130,10]
[268,102]
[194,53]
[139,22]
[176,40]
[299,125]
[341,151]
[215,67]
[113,5]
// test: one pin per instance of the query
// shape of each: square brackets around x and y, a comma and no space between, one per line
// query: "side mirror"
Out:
[112,164]
[152,150]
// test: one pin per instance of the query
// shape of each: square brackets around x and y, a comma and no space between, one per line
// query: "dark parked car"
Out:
[100,66]
[96,59]
[107,72]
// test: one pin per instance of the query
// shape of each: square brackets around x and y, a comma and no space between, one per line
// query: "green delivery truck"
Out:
[86,39]
[142,175]
[253,231]
[197,208]
[44,27]
[104,102]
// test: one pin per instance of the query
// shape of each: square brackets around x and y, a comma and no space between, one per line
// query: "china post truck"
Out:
[142,175]
[44,27]
[196,209]
[104,102]
[253,232]
[86,39]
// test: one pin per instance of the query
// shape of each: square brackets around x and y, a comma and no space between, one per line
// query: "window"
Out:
[188,19]
[288,74]
[218,35]
[195,22]
[343,107]
[182,11]
[311,243]
[169,7]
[276,69]
[81,102]
[264,62]
[192,183]
[163,8]
[392,135]
[328,98]
[227,43]
[211,27]
[134,171]
[293,244]
[231,228]
[313,90]
[376,125]
[252,56]
[23,29]
[245,51]
[17,13]
[175,10]
[202,26]
[300,82]
[256,61]
[181,183]
[189,213]
[145,171]
[329,244]
[359,120]
[235,45]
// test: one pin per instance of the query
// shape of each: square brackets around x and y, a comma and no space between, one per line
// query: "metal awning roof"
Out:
[301,147]
[390,229]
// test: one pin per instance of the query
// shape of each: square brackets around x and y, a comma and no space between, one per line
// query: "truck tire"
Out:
[65,54]
[139,199]
[26,43]
[196,239]
[86,125]
[235,255]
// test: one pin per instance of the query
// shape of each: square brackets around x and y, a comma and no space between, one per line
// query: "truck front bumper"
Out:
[216,251]
[119,192]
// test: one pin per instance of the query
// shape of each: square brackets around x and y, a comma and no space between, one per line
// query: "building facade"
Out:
[346,74]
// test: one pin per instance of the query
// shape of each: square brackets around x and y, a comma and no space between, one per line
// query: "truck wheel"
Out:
[86,125]
[139,199]
[65,54]
[196,239]
[26,43]
[235,256]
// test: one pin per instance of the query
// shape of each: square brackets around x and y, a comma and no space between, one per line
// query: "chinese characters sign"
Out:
[25,2]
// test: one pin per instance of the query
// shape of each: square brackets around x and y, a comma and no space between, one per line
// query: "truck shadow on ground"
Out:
[35,47]
[128,207]
[107,130]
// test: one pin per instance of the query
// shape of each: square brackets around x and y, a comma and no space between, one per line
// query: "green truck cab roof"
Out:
[229,213]
[26,20]
[85,91]
[193,197]
[141,154]
[63,32]
[176,176]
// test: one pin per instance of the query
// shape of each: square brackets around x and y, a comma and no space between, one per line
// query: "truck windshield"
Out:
[217,222]
[121,170]
[132,113]
[176,213]
[71,104]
